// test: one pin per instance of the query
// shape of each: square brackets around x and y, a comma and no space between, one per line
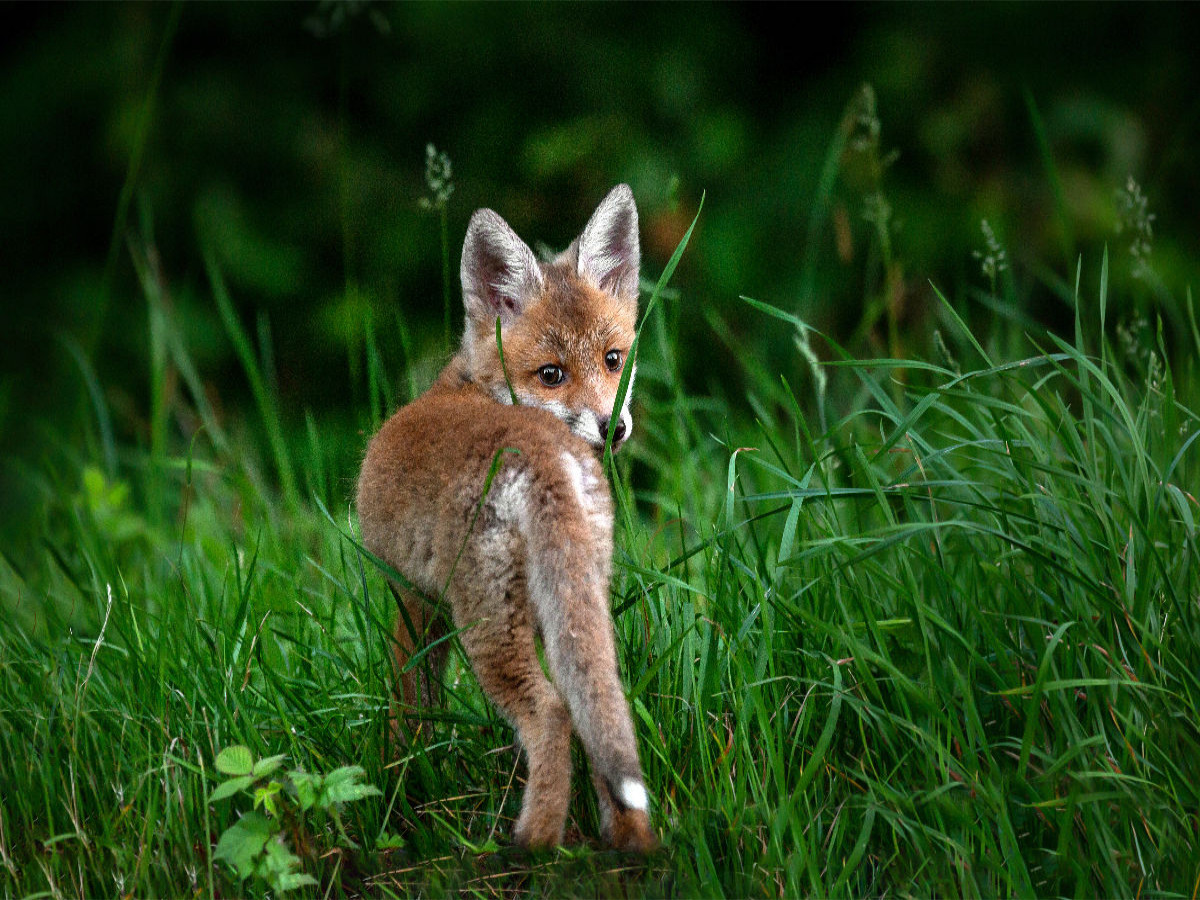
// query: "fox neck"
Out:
[464,374]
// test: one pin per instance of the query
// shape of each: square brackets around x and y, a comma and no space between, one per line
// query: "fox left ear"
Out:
[500,274]
[609,254]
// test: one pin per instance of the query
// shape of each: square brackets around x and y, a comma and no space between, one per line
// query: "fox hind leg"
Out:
[418,625]
[503,655]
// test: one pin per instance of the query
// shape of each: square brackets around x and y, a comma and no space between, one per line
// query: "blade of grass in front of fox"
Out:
[503,367]
[487,487]
[382,566]
[418,635]
[627,371]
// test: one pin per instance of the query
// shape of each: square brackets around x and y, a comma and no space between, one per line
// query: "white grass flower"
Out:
[993,259]
[439,178]
[1134,216]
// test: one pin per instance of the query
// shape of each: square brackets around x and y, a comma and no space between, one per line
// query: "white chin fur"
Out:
[589,429]
[634,794]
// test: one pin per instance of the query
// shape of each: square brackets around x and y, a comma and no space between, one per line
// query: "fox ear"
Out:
[499,272]
[609,255]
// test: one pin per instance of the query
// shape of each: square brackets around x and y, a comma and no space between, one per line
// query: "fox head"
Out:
[566,326]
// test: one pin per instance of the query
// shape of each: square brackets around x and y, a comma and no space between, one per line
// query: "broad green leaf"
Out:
[235,760]
[278,863]
[268,765]
[265,797]
[342,786]
[243,841]
[292,880]
[231,787]
[308,788]
[389,841]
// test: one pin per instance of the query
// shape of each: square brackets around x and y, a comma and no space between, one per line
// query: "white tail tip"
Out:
[634,794]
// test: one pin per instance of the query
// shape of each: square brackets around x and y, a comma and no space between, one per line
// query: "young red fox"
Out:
[531,555]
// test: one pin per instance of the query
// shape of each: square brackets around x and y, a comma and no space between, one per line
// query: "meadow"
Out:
[939,638]
[906,604]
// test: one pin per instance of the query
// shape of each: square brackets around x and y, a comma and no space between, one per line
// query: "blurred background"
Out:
[282,148]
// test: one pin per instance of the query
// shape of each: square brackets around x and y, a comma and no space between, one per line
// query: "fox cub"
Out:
[529,557]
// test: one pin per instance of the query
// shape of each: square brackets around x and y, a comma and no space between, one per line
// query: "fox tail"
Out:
[569,559]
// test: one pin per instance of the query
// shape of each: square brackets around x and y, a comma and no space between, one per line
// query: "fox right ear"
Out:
[499,272]
[609,254]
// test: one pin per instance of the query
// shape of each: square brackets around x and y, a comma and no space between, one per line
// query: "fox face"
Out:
[566,325]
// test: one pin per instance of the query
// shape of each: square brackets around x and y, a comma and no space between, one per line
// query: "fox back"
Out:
[498,514]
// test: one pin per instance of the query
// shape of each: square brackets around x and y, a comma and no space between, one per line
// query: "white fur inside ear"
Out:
[634,794]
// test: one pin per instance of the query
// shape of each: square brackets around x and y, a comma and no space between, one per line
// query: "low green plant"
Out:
[289,808]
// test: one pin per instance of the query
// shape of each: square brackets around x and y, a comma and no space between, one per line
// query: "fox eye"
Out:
[612,359]
[551,375]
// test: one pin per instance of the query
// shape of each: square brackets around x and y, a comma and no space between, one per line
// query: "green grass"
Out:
[945,642]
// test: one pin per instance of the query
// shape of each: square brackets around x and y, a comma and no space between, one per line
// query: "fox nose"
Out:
[618,432]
